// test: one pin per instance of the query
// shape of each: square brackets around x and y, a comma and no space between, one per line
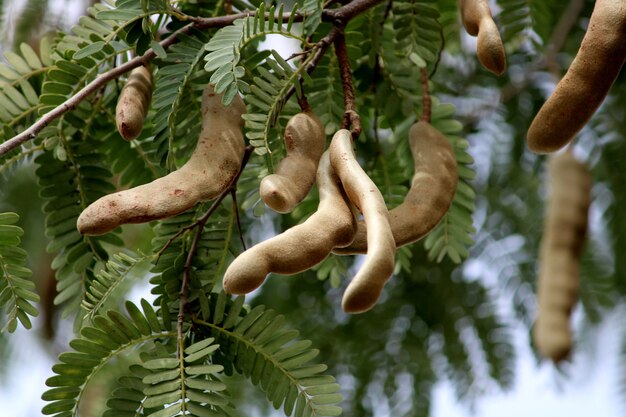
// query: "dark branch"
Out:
[426,101]
[233,194]
[351,118]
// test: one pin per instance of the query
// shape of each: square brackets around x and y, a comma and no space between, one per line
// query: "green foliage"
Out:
[175,113]
[17,291]
[20,82]
[186,385]
[226,46]
[417,32]
[107,281]
[267,97]
[111,335]
[68,186]
[260,347]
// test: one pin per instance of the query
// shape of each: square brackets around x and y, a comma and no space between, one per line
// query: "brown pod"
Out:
[302,246]
[133,103]
[559,257]
[210,170]
[587,81]
[431,193]
[477,20]
[294,177]
[366,287]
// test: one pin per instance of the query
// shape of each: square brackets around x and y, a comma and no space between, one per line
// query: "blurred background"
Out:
[445,340]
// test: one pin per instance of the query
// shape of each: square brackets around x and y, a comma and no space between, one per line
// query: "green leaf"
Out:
[89,50]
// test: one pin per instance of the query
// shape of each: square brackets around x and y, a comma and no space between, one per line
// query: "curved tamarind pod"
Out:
[587,81]
[302,246]
[133,103]
[294,177]
[431,193]
[210,170]
[559,256]
[366,287]
[477,20]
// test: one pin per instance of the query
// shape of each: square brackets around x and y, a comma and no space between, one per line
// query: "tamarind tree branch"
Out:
[426,101]
[351,118]
[199,225]
[340,16]
[233,195]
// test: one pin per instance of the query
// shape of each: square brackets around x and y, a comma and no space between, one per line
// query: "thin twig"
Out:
[426,100]
[196,240]
[351,118]
[233,194]
[303,103]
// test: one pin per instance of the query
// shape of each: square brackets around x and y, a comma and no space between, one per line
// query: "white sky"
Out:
[590,389]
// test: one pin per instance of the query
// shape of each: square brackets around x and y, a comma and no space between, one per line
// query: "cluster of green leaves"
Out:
[160,383]
[17,291]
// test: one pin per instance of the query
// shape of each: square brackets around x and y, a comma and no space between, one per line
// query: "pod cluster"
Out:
[346,190]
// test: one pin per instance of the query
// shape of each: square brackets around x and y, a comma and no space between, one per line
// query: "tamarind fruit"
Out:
[133,103]
[587,81]
[211,168]
[559,257]
[432,189]
[302,246]
[366,287]
[478,21]
[294,177]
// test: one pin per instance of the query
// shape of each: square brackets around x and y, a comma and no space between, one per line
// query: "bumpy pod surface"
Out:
[477,20]
[210,170]
[366,287]
[294,177]
[431,193]
[133,103]
[587,81]
[302,246]
[559,257]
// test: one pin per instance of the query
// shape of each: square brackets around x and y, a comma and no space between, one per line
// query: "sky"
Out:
[589,389]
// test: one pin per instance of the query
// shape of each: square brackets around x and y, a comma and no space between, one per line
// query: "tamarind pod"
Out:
[431,193]
[211,168]
[478,21]
[587,81]
[366,287]
[294,177]
[559,257]
[133,103]
[302,246]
